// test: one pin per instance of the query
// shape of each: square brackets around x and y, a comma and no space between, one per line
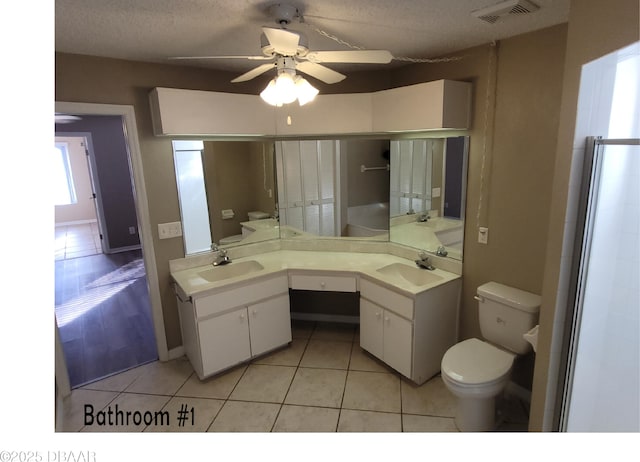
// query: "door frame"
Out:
[142,210]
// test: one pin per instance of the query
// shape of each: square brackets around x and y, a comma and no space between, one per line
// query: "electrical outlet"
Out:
[483,235]
[435,192]
[132,229]
[169,230]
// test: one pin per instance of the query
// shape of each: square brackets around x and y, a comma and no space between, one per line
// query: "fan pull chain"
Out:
[397,58]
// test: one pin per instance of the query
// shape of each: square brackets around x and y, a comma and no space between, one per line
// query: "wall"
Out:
[113,177]
[511,159]
[84,208]
[234,179]
[595,29]
[369,187]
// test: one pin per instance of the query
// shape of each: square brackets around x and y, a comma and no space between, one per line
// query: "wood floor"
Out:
[103,314]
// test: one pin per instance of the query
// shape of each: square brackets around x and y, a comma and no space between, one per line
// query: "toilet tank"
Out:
[505,314]
[257,215]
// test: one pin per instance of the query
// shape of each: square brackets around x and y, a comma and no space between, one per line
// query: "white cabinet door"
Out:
[224,341]
[397,343]
[371,335]
[269,324]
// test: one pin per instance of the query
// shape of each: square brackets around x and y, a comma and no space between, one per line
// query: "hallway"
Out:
[102,308]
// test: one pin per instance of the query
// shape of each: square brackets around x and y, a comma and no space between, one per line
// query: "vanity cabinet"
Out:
[386,335]
[410,334]
[234,325]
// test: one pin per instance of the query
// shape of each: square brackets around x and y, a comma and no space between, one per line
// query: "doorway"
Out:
[106,319]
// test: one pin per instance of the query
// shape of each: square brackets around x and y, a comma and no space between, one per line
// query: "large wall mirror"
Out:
[411,192]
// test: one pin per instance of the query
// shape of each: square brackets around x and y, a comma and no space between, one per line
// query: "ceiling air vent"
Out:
[493,13]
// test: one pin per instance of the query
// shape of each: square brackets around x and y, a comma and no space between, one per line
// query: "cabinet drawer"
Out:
[240,296]
[386,298]
[328,283]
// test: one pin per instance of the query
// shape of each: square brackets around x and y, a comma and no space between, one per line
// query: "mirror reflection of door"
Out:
[453,184]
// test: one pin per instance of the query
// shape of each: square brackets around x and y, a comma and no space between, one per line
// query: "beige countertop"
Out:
[193,284]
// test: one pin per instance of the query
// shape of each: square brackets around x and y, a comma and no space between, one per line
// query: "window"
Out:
[63,191]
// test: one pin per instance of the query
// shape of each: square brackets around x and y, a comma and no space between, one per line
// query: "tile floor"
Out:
[77,241]
[322,382]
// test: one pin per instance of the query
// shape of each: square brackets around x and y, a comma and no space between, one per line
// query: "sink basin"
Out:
[410,274]
[231,270]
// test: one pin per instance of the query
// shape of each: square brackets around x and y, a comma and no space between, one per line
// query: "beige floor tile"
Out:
[268,384]
[317,387]
[362,360]
[326,354]
[198,412]
[219,386]
[287,356]
[341,332]
[423,423]
[306,419]
[432,398]
[239,416]
[369,421]
[129,413]
[70,414]
[162,378]
[372,391]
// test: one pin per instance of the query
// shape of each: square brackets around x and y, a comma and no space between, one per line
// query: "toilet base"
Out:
[475,414]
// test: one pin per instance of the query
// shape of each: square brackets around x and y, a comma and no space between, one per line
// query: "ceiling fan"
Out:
[288,52]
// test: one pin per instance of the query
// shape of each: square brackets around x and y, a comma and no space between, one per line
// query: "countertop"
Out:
[363,264]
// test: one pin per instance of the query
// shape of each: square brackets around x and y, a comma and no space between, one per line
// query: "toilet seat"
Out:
[474,362]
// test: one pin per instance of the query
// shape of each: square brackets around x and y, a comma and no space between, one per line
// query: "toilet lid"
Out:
[474,361]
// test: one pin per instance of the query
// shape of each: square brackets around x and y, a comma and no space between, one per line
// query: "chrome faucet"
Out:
[422,217]
[222,258]
[424,261]
[441,251]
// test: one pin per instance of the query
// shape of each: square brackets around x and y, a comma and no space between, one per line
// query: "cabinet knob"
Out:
[377,314]
[254,313]
[242,316]
[322,284]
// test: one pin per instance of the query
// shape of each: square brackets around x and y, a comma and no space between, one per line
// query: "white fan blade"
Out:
[353,56]
[252,58]
[320,72]
[255,72]
[283,41]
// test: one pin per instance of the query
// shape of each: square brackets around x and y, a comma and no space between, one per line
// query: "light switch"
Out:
[435,192]
[169,230]
[483,235]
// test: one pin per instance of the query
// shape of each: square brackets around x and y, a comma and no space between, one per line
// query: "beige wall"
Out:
[234,175]
[596,28]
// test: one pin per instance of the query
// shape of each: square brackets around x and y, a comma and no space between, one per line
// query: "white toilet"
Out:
[477,371]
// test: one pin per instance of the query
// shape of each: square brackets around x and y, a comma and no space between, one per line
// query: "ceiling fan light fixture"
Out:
[286,88]
[305,91]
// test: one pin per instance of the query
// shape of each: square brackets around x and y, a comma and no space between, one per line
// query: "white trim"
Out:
[142,205]
[124,249]
[176,353]
[76,222]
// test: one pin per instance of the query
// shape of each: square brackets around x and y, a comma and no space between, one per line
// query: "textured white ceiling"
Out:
[152,30]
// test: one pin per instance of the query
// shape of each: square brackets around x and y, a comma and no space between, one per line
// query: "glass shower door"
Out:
[602,390]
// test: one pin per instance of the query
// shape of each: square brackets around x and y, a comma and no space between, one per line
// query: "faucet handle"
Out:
[423,255]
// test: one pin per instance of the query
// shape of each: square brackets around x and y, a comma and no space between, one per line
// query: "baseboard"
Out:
[76,222]
[124,249]
[176,353]
[325,317]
